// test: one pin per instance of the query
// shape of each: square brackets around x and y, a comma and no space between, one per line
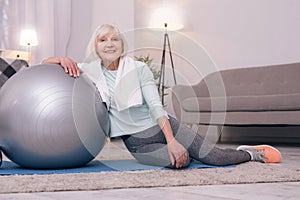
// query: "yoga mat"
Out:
[10,168]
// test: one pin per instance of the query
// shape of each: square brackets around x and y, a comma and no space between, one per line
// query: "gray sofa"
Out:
[256,96]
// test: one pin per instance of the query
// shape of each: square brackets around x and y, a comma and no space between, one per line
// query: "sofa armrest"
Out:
[179,93]
[182,92]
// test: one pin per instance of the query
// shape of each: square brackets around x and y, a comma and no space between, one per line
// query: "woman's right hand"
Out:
[68,64]
[178,154]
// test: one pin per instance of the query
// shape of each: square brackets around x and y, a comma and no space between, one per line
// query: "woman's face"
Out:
[109,47]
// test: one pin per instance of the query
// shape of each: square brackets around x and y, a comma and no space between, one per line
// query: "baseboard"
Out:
[286,135]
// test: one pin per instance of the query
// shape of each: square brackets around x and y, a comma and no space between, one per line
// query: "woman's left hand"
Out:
[178,154]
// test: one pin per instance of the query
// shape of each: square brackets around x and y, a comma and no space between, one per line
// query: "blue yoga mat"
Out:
[10,168]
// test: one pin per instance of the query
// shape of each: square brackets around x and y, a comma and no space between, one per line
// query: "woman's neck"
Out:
[111,65]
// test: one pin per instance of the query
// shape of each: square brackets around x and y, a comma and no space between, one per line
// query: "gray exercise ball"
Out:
[51,120]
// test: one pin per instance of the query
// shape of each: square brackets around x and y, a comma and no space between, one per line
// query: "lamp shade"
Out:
[166,15]
[28,38]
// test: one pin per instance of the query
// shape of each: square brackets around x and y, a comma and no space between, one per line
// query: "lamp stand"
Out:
[161,83]
[29,54]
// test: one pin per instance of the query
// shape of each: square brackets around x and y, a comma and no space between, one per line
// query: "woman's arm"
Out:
[178,154]
[68,64]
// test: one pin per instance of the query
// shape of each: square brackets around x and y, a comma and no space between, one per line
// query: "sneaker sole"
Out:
[274,156]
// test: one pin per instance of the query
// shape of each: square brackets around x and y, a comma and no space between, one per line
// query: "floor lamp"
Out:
[161,83]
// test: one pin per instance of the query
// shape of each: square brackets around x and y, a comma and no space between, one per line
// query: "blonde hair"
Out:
[91,53]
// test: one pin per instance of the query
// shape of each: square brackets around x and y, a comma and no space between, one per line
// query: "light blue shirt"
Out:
[136,118]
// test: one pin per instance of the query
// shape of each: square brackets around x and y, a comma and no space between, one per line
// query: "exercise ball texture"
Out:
[51,120]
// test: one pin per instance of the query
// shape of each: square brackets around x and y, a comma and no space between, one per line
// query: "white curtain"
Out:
[3,23]
[50,18]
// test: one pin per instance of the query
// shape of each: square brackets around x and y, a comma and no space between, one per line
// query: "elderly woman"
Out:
[137,115]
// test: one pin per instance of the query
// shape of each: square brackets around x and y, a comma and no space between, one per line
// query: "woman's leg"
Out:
[205,151]
[149,147]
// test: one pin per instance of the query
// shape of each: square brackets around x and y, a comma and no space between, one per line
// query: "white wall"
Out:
[236,33]
[89,14]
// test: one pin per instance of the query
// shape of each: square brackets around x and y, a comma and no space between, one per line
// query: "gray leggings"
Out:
[149,147]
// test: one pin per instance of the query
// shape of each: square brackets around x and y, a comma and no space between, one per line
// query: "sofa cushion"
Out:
[266,80]
[243,103]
